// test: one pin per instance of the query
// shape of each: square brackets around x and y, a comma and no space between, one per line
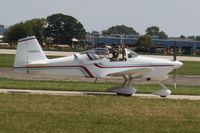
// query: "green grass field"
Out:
[88,86]
[6,60]
[22,113]
[96,114]
[189,67]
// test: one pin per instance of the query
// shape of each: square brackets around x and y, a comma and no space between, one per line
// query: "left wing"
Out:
[135,72]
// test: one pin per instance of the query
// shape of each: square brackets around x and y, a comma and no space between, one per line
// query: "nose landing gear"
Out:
[163,92]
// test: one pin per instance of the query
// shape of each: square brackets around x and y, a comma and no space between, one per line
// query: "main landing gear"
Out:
[126,89]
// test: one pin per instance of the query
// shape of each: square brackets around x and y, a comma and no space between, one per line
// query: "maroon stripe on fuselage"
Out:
[89,56]
[83,67]
[99,66]
[88,72]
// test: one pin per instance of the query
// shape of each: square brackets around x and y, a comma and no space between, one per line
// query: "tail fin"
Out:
[28,52]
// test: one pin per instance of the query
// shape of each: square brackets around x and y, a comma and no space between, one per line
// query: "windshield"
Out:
[131,54]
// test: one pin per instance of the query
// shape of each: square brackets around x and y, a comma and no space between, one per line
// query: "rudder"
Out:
[28,51]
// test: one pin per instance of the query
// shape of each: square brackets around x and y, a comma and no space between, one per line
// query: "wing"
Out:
[135,72]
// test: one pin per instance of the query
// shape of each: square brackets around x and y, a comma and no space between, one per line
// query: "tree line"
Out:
[61,29]
[57,29]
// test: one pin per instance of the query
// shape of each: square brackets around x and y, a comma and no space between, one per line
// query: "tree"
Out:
[62,28]
[182,37]
[162,35]
[191,37]
[120,29]
[38,26]
[155,31]
[18,31]
[152,31]
[144,41]
[34,27]
[197,38]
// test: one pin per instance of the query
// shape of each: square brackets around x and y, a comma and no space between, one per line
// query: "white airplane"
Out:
[95,63]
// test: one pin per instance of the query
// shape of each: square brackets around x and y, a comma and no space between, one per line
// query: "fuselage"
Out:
[95,63]
[85,65]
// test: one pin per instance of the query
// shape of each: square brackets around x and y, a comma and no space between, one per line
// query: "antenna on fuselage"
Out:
[122,40]
[27,59]
[174,59]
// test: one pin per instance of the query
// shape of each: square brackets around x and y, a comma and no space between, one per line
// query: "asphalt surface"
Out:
[59,53]
[79,93]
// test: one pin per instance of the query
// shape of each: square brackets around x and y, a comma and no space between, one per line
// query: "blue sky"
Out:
[175,17]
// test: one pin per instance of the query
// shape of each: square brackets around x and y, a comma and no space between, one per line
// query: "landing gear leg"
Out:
[125,81]
[126,89]
[163,92]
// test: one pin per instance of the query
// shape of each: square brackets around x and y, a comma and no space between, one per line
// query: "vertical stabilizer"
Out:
[28,51]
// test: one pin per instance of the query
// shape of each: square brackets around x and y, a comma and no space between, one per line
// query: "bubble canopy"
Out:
[100,53]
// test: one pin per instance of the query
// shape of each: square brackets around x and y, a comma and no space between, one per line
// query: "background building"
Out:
[183,45]
[2,30]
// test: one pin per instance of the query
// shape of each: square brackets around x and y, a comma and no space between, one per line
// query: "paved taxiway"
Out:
[79,93]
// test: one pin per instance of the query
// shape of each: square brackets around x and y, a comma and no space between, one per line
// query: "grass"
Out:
[189,68]
[52,85]
[96,114]
[88,86]
[7,60]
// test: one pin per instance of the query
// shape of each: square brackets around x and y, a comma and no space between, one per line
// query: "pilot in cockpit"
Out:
[115,54]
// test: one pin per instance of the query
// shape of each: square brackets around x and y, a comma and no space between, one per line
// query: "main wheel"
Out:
[163,96]
[127,95]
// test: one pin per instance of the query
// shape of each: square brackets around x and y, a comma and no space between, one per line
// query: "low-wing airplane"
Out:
[95,63]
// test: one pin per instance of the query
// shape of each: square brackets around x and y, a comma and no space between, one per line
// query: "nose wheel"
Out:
[163,92]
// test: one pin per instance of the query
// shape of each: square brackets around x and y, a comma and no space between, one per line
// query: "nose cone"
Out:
[177,64]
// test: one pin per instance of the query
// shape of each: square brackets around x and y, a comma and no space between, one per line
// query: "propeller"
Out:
[174,58]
